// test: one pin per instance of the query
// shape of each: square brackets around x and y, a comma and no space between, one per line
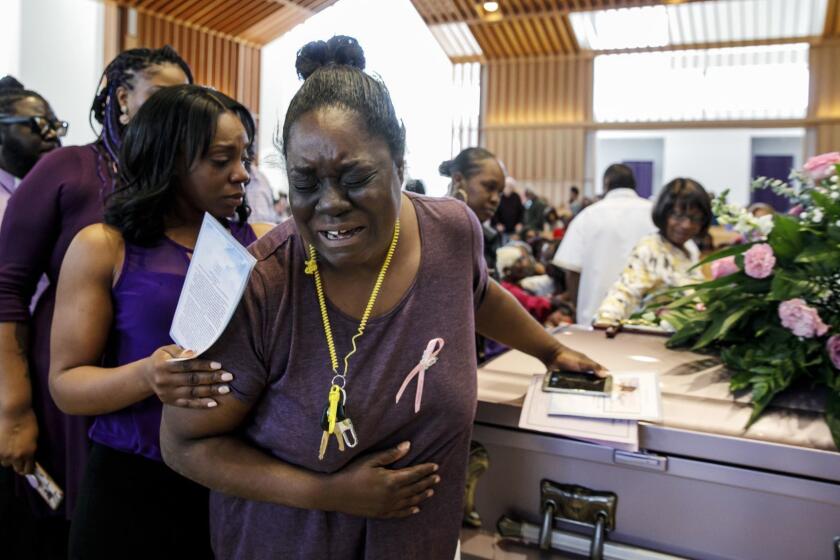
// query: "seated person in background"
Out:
[555,227]
[759,209]
[514,266]
[661,260]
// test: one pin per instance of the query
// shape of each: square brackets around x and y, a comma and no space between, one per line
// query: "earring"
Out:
[124,116]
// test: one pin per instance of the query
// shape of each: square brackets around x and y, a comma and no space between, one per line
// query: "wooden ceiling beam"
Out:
[467,14]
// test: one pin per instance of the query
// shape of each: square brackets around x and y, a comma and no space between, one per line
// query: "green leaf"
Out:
[787,286]
[721,325]
[786,237]
[826,254]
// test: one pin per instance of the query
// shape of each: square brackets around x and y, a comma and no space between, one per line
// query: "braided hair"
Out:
[120,72]
[12,91]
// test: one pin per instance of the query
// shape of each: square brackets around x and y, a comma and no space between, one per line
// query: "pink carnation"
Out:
[759,261]
[833,348]
[822,166]
[796,210]
[724,267]
[801,319]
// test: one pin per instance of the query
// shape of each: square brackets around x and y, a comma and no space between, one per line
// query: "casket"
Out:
[700,486]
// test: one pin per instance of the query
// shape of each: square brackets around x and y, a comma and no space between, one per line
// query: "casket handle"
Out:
[548,510]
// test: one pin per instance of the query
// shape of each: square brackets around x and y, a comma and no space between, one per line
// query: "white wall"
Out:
[10,37]
[718,158]
[616,150]
[400,49]
[60,57]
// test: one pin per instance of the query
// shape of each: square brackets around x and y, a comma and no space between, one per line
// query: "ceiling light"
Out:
[491,7]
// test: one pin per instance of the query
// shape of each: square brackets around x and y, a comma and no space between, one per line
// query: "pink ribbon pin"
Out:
[428,360]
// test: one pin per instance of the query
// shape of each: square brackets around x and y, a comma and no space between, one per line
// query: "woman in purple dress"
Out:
[185,153]
[63,193]
[346,431]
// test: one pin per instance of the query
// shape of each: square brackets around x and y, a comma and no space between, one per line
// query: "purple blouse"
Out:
[62,194]
[144,299]
[275,348]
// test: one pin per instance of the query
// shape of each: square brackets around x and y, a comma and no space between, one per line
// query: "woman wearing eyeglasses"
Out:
[665,259]
[28,130]
[63,193]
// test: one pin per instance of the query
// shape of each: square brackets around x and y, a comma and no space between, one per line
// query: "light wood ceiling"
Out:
[534,28]
[252,21]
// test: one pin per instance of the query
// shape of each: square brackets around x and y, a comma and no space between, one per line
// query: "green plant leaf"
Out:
[786,237]
[721,324]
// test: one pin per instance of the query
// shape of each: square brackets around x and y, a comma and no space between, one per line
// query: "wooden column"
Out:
[824,102]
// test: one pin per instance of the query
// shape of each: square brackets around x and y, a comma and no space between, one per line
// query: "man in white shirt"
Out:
[600,239]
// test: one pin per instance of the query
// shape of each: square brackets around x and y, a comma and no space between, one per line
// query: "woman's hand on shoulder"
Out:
[368,488]
[187,383]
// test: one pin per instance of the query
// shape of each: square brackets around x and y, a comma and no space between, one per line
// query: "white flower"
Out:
[765,224]
[817,217]
[835,195]
[835,179]
[837,223]
[804,215]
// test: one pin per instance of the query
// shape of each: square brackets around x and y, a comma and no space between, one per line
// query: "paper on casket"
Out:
[216,279]
[621,434]
[642,403]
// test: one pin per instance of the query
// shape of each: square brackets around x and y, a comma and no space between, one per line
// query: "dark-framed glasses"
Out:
[39,124]
[696,219]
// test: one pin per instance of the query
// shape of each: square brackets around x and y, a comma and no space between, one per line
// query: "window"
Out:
[768,82]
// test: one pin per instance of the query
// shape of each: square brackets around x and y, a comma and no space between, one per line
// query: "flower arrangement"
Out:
[772,309]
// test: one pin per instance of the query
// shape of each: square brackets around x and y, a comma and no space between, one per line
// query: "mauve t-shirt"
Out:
[275,348]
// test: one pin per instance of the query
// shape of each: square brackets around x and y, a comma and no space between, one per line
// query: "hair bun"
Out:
[445,168]
[339,50]
[10,83]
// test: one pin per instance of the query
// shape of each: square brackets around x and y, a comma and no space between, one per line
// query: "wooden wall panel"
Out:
[547,160]
[536,117]
[228,65]
[542,90]
[824,102]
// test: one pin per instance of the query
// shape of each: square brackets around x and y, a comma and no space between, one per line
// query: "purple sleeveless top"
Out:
[144,299]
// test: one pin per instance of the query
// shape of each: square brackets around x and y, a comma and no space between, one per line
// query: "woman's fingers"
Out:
[195,403]
[419,487]
[199,391]
[413,474]
[195,378]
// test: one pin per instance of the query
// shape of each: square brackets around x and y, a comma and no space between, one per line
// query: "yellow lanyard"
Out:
[337,395]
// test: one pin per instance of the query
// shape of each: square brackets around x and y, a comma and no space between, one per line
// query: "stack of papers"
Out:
[635,396]
[621,434]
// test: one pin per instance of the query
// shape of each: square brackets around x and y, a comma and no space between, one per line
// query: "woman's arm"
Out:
[199,445]
[81,324]
[27,238]
[637,280]
[501,318]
